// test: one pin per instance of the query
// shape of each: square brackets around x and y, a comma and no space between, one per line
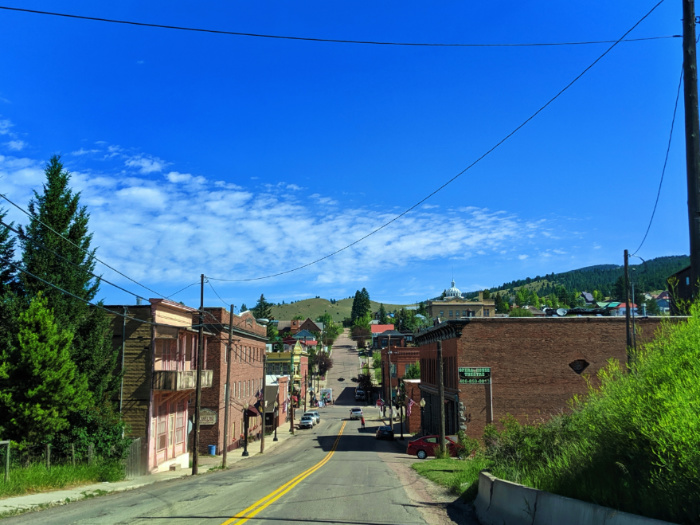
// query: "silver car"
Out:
[306,421]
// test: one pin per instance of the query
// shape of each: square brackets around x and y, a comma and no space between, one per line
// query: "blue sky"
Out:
[240,157]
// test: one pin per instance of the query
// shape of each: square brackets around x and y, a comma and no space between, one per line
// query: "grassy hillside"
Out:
[314,308]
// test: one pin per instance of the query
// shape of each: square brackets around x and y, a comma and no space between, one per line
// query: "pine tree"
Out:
[7,254]
[56,249]
[39,384]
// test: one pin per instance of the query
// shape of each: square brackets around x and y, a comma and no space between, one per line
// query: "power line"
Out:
[663,170]
[454,178]
[324,40]
[56,254]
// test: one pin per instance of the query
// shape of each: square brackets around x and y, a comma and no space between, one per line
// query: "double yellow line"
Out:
[268,500]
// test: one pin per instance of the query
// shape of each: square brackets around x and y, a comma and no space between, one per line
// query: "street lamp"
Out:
[245,433]
[422,406]
[277,405]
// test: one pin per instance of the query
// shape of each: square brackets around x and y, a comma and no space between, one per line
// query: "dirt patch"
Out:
[436,504]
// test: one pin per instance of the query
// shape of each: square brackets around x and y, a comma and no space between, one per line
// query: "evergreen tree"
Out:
[382,314]
[360,305]
[263,310]
[40,385]
[56,248]
[7,254]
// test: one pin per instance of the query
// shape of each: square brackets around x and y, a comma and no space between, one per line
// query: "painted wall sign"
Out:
[471,375]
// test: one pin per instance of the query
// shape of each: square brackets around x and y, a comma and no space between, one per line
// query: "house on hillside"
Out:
[587,297]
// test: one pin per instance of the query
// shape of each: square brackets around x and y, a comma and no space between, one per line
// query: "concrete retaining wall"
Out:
[502,502]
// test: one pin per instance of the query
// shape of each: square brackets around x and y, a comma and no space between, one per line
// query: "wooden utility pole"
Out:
[263,402]
[227,402]
[628,308]
[692,139]
[441,396]
[200,364]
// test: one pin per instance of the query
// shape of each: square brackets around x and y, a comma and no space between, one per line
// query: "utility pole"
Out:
[200,364]
[441,395]
[627,310]
[692,139]
[291,391]
[228,386]
[390,400]
[262,402]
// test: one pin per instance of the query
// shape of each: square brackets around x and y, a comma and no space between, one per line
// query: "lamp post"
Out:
[402,401]
[245,433]
[277,405]
[422,406]
[391,399]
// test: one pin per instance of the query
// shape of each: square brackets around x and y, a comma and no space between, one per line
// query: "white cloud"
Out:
[5,126]
[522,257]
[145,165]
[83,151]
[16,145]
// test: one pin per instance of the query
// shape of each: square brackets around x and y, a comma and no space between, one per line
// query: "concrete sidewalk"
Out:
[19,504]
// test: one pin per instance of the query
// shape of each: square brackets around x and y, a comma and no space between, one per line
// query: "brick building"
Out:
[158,350]
[525,367]
[249,339]
[401,358]
[413,414]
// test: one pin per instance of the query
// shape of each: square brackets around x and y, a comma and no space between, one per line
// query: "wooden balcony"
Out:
[178,381]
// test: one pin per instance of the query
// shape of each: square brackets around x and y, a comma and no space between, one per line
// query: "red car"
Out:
[427,445]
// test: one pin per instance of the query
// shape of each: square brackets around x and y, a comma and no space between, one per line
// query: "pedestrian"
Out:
[362,419]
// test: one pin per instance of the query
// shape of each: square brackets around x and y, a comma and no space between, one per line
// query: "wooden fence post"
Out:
[48,456]
[90,453]
[72,454]
[7,460]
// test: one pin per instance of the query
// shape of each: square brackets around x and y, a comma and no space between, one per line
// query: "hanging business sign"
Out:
[471,375]
[207,417]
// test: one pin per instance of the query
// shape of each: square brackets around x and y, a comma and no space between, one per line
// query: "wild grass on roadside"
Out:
[460,476]
[37,478]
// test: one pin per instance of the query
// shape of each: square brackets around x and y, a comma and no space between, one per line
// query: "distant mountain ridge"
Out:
[646,276]
[649,276]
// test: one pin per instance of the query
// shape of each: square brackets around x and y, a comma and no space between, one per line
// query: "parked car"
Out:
[385,432]
[355,413]
[314,414]
[306,421]
[359,395]
[427,445]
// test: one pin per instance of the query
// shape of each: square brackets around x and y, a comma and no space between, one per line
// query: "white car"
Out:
[307,421]
[356,413]
[315,415]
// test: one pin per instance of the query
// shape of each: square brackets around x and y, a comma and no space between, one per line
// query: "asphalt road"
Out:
[336,473]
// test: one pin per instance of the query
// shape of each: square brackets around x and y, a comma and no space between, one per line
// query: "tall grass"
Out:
[632,444]
[37,478]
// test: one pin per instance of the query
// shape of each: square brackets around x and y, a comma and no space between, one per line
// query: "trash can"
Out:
[212,450]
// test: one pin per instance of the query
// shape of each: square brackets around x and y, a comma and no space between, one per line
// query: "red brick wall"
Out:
[529,361]
[246,369]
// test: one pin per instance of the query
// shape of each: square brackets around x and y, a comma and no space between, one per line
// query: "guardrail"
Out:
[500,501]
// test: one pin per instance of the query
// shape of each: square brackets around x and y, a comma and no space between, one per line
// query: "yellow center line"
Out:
[263,503]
